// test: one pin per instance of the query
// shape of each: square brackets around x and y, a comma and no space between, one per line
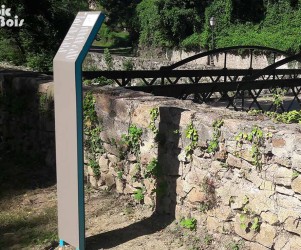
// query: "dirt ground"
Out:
[29,221]
[28,217]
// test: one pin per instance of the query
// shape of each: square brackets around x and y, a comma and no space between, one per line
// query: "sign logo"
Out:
[6,20]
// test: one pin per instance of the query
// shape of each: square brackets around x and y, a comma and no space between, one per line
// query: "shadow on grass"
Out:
[20,173]
[20,229]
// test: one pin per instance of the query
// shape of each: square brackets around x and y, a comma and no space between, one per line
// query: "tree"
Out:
[180,18]
[46,23]
[122,14]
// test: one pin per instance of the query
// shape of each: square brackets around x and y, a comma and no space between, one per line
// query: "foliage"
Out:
[256,137]
[45,25]
[189,223]
[208,239]
[151,34]
[295,174]
[214,143]
[192,42]
[138,195]
[153,169]
[92,141]
[192,134]
[122,14]
[248,225]
[161,189]
[278,94]
[133,139]
[293,116]
[179,19]
[128,65]
[208,188]
[154,114]
[108,59]
[101,81]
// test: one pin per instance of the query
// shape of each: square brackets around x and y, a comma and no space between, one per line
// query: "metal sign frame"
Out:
[68,95]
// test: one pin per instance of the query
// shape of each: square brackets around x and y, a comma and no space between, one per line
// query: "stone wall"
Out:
[247,185]
[148,61]
[27,116]
[240,176]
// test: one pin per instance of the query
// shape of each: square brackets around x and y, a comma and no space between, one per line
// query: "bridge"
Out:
[240,89]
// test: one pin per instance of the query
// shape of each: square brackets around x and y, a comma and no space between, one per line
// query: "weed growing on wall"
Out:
[278,95]
[214,143]
[128,65]
[257,138]
[153,169]
[108,59]
[154,114]
[133,139]
[189,223]
[208,188]
[92,141]
[138,195]
[293,116]
[192,134]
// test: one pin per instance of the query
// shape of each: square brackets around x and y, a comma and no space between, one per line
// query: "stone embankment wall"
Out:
[27,116]
[240,176]
[147,61]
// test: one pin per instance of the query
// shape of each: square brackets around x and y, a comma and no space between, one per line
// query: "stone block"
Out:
[216,166]
[148,200]
[134,169]
[241,232]
[284,213]
[283,176]
[296,184]
[253,176]
[109,180]
[129,189]
[148,151]
[179,188]
[284,190]
[269,217]
[150,185]
[119,186]
[296,161]
[283,146]
[267,185]
[256,246]
[141,115]
[214,225]
[283,161]
[281,242]
[93,181]
[266,235]
[196,176]
[196,195]
[223,213]
[234,161]
[295,243]
[113,158]
[292,224]
[262,201]
[103,163]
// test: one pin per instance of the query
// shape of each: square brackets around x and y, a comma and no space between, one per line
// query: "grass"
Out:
[26,225]
[117,39]
[28,215]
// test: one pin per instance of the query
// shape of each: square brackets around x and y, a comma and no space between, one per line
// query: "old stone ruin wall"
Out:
[27,116]
[235,174]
